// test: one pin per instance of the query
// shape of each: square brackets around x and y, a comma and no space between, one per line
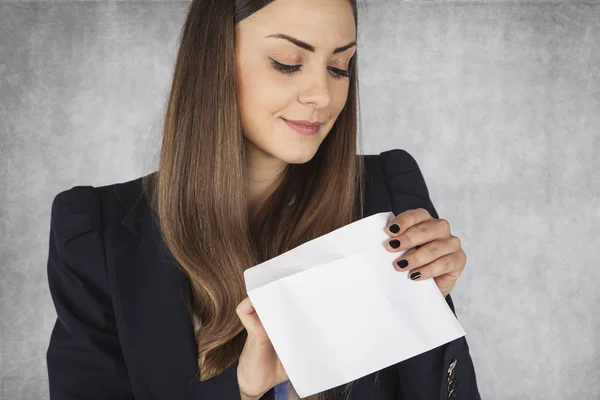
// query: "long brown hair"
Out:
[198,193]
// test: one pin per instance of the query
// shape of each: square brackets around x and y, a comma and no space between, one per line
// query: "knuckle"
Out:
[416,215]
[449,263]
[456,241]
[420,214]
[413,259]
[432,249]
[406,241]
[446,224]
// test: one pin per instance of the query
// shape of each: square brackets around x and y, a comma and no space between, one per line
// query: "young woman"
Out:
[258,156]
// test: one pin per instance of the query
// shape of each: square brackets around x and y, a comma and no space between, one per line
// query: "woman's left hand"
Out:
[438,253]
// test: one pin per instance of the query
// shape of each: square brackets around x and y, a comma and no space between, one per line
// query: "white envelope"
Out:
[336,310]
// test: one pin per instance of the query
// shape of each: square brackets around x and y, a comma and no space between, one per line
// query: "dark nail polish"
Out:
[415,275]
[402,263]
[394,228]
[395,243]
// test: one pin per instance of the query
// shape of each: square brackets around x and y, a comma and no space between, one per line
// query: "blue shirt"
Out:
[281,391]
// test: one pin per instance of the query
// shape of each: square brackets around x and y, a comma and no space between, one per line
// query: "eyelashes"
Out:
[292,69]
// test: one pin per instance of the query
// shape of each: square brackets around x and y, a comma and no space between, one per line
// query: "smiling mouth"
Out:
[302,128]
[304,123]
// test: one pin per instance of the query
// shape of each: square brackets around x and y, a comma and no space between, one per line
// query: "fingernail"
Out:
[415,275]
[395,243]
[394,228]
[402,263]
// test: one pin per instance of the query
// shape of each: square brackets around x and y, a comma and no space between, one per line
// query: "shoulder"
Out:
[398,161]
[83,208]
[400,173]
[403,173]
[392,161]
[397,167]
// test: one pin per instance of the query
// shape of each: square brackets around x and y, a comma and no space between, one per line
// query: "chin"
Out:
[299,156]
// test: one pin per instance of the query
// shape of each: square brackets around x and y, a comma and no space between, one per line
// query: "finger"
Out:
[448,264]
[247,314]
[245,306]
[426,253]
[405,220]
[420,234]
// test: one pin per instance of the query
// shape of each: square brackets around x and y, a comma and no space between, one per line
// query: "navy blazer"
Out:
[122,329]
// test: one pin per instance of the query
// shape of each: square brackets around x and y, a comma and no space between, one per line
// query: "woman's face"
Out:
[317,91]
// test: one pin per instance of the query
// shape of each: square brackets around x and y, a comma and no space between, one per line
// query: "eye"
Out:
[292,69]
[340,73]
[286,69]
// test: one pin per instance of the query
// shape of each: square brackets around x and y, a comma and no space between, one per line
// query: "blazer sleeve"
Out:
[450,364]
[84,357]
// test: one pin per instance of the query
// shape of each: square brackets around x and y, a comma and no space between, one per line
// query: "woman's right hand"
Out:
[259,368]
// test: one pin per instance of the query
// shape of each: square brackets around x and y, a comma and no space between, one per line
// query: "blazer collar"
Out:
[151,296]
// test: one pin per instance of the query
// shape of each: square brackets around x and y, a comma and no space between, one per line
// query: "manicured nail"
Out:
[395,243]
[394,228]
[402,263]
[415,275]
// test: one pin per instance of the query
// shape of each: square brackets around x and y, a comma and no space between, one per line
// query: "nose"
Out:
[317,91]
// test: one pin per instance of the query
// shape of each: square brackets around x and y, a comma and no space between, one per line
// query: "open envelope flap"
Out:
[312,318]
[353,238]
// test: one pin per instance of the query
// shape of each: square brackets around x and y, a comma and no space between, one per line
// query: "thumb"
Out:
[247,314]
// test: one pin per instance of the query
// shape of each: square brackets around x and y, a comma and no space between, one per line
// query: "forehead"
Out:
[326,24]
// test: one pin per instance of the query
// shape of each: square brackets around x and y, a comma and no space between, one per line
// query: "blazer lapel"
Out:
[377,197]
[150,294]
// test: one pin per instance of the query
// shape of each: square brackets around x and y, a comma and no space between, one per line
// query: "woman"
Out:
[147,275]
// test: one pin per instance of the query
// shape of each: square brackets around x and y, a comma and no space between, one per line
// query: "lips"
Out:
[307,124]
[304,127]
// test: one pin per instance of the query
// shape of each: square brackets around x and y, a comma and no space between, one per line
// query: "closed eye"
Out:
[292,69]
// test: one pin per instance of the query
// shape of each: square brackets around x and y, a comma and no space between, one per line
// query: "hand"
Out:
[259,368]
[438,253]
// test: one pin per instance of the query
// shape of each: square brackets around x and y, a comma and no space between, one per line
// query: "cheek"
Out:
[262,102]
[339,99]
[262,96]
[261,112]
[339,96]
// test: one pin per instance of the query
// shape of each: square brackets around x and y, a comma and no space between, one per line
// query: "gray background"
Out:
[499,102]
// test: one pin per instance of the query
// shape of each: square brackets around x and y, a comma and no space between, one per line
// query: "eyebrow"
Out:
[307,46]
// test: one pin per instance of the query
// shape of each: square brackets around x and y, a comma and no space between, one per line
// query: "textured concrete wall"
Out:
[499,102]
